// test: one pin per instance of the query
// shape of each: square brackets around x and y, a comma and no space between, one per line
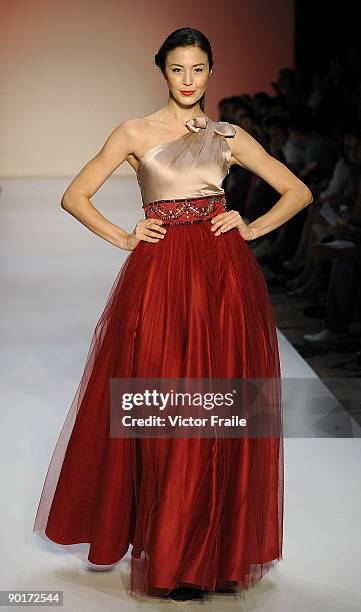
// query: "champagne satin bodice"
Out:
[193,165]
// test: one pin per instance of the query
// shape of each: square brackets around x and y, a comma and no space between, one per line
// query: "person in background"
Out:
[344,282]
[247,121]
[312,156]
[290,85]
[342,189]
[230,108]
[318,150]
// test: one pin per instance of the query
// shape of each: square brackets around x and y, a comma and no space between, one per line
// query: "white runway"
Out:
[56,276]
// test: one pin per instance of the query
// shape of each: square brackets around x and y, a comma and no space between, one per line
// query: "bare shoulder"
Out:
[139,134]
[135,126]
[125,134]
[134,129]
[126,140]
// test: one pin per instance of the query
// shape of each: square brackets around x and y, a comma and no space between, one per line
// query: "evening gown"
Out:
[202,512]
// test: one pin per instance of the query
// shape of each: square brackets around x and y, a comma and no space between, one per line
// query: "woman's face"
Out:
[187,69]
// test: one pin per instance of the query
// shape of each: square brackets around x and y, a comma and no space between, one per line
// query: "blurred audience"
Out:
[312,124]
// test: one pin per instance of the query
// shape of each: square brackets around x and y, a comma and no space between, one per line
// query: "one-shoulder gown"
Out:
[204,512]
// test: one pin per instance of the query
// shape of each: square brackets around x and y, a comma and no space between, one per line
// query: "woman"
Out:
[202,513]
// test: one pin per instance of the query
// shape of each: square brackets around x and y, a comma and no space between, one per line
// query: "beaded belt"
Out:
[186,210]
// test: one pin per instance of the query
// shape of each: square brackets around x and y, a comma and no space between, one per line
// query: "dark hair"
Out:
[301,119]
[271,120]
[184,37]
[262,97]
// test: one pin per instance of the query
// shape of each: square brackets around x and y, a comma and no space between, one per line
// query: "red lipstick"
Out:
[187,92]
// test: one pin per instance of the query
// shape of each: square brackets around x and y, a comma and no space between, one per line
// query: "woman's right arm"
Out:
[76,199]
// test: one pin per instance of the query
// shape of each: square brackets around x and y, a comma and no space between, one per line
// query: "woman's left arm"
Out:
[295,195]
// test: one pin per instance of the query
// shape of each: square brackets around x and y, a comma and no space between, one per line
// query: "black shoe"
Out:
[185,593]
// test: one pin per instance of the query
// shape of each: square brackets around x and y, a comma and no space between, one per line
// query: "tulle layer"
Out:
[204,512]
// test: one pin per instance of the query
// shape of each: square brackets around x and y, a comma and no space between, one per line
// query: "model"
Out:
[202,514]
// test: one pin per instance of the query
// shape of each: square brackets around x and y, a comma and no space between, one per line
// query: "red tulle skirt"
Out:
[204,512]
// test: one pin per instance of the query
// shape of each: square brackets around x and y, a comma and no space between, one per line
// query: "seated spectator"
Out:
[290,85]
[312,157]
[261,106]
[318,151]
[247,122]
[342,189]
[231,108]
[344,282]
